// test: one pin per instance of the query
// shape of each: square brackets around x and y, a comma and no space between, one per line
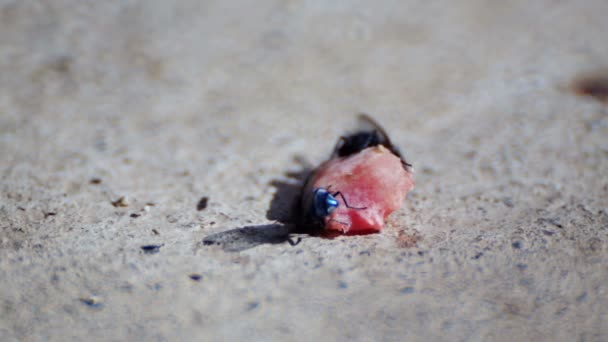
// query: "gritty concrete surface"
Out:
[504,238]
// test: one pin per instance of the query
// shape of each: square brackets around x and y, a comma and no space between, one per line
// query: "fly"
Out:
[371,135]
[324,202]
[319,202]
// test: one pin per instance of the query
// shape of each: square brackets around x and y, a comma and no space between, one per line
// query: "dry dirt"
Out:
[501,107]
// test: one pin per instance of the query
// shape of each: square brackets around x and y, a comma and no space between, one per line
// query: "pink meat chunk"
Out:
[373,179]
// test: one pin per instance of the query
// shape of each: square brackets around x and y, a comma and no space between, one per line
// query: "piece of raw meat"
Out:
[363,182]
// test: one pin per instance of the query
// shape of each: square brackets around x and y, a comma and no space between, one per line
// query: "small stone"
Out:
[92,301]
[123,201]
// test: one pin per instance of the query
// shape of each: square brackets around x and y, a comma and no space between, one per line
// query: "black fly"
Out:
[372,135]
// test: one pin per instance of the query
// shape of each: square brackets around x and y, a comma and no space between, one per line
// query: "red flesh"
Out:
[374,179]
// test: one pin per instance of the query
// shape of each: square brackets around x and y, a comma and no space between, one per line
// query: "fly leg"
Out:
[346,203]
[294,242]
[346,225]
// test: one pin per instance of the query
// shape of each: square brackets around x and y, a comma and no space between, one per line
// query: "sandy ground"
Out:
[504,238]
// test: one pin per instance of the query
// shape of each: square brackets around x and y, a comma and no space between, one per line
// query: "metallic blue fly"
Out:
[324,202]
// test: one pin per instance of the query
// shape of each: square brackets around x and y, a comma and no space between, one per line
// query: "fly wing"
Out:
[369,133]
[366,123]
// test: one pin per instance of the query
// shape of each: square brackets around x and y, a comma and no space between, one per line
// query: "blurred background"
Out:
[117,118]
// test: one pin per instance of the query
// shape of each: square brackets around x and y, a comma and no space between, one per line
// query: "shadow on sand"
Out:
[240,239]
[284,209]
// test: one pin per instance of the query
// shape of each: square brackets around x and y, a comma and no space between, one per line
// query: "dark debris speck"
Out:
[508,202]
[202,203]
[516,244]
[92,302]
[252,306]
[581,297]
[407,290]
[95,181]
[550,221]
[595,86]
[151,249]
[55,278]
[478,255]
[195,276]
